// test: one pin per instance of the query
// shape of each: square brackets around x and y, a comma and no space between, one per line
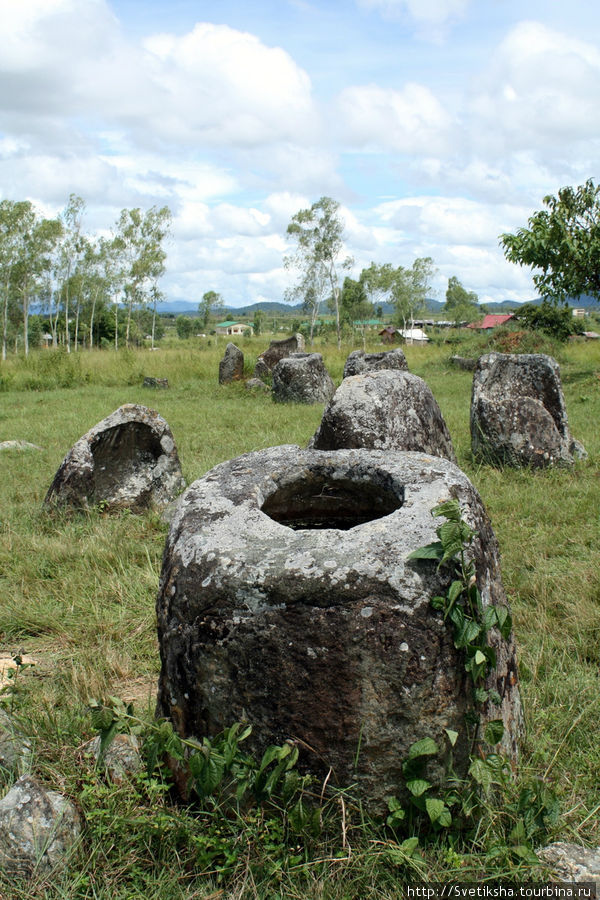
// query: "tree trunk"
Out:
[335,290]
[5,324]
[67,335]
[128,323]
[153,322]
[95,297]
[78,307]
[54,321]
[26,319]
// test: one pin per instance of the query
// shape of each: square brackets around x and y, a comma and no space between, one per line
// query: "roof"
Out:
[414,334]
[231,322]
[492,320]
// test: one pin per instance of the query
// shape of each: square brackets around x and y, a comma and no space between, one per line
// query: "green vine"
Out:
[462,606]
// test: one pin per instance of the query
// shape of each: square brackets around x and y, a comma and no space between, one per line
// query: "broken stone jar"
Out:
[287,600]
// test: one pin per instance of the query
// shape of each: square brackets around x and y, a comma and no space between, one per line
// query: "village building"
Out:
[391,334]
[414,335]
[232,327]
[491,320]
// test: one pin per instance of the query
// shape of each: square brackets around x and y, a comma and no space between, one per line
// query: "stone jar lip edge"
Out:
[224,481]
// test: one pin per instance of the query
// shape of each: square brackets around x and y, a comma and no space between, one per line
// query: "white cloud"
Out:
[462,237]
[541,91]
[223,85]
[225,129]
[408,121]
[214,85]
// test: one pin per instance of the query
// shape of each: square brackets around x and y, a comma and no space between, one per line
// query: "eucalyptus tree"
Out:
[411,287]
[40,237]
[72,247]
[16,220]
[405,288]
[138,241]
[310,290]
[318,233]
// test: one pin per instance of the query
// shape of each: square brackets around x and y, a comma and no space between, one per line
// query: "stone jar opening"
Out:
[319,499]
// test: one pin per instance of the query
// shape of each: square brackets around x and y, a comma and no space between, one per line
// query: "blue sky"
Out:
[437,124]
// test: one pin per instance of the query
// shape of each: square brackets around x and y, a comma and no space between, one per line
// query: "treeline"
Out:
[79,283]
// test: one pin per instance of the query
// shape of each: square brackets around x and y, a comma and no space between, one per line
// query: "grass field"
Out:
[78,593]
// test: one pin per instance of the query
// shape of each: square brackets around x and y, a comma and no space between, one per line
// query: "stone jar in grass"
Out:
[127,461]
[518,413]
[288,600]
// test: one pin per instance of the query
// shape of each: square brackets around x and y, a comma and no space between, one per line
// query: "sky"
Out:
[436,124]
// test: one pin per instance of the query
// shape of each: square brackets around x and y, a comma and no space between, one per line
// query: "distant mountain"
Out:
[271,308]
[274,308]
[500,306]
[189,308]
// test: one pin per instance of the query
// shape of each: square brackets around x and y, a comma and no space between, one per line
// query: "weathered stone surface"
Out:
[277,350]
[231,367]
[15,748]
[18,445]
[129,460]
[384,410]
[359,362]
[255,384]
[464,362]
[122,757]
[572,863]
[150,382]
[37,828]
[286,599]
[518,413]
[302,378]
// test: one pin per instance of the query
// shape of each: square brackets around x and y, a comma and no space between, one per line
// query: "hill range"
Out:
[274,308]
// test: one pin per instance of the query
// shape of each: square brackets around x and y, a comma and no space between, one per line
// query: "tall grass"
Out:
[78,595]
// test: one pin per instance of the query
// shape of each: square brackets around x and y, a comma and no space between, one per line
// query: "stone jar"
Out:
[127,461]
[287,600]
[518,414]
[302,378]
[384,410]
[359,362]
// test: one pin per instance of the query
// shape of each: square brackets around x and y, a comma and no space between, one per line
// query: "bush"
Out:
[556,321]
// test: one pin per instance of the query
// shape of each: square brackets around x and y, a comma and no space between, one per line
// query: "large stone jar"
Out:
[286,599]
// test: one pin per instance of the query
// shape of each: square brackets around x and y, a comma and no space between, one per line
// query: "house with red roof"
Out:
[492,320]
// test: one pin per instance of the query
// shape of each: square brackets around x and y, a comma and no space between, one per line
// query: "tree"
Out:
[99,268]
[71,247]
[211,303]
[38,240]
[557,322]
[16,220]
[563,242]
[138,241]
[184,327]
[310,289]
[411,289]
[462,305]
[355,305]
[405,288]
[318,233]
[258,321]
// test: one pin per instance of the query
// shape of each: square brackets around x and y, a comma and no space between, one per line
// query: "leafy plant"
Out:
[214,767]
[462,606]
